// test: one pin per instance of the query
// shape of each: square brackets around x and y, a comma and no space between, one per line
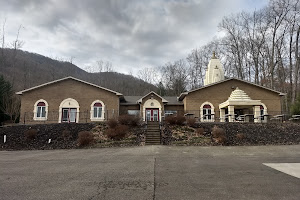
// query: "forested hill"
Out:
[24,70]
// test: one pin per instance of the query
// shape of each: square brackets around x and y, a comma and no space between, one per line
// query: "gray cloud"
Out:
[130,34]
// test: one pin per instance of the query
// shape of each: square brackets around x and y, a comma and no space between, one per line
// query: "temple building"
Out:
[223,100]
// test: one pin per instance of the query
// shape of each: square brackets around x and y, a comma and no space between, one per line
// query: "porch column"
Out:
[230,113]
[256,111]
[222,115]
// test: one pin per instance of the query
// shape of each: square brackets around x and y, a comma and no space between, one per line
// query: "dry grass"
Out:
[199,131]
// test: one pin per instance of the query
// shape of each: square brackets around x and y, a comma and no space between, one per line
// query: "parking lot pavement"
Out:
[151,172]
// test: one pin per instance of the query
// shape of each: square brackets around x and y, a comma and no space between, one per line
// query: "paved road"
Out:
[151,172]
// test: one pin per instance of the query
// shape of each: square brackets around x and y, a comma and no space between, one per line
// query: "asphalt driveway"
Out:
[151,172]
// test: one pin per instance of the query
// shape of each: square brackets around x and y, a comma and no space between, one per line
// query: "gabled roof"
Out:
[182,95]
[162,99]
[133,100]
[66,78]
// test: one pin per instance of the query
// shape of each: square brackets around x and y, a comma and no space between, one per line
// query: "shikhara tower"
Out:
[214,72]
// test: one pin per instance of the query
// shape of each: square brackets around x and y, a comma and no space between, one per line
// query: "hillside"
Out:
[25,70]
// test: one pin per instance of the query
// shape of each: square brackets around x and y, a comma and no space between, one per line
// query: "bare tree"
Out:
[175,77]
[3,44]
[148,74]
[16,45]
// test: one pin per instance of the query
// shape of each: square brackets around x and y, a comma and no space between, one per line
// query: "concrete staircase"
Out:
[153,133]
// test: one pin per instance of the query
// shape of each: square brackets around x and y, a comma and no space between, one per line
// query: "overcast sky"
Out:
[129,34]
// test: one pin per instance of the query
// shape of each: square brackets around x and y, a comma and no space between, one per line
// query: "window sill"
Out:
[97,119]
[40,119]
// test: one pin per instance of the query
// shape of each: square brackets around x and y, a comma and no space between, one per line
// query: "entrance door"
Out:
[69,115]
[152,114]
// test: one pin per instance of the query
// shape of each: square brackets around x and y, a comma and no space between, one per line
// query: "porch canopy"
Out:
[239,99]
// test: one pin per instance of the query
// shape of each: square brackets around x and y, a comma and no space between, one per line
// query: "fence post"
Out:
[24,117]
[86,116]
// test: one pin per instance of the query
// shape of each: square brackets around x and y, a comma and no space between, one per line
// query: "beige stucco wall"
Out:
[219,93]
[55,93]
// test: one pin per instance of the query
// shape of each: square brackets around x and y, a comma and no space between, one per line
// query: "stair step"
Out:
[149,139]
[153,142]
[153,134]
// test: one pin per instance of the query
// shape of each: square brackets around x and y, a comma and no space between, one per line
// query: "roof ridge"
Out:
[65,78]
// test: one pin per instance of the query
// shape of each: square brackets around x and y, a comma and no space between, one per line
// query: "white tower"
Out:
[214,71]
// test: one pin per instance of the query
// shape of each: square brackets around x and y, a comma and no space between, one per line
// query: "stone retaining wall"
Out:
[252,133]
[16,139]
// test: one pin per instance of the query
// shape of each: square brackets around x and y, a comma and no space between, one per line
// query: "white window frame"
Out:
[102,112]
[35,110]
[133,112]
[212,109]
[170,112]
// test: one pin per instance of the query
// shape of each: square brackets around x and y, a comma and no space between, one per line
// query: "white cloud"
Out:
[130,34]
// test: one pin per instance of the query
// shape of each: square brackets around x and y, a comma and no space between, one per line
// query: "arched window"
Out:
[97,111]
[207,112]
[40,110]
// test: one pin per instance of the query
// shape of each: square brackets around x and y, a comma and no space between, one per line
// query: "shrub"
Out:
[218,135]
[85,138]
[191,122]
[130,120]
[117,133]
[178,120]
[217,132]
[66,134]
[112,123]
[31,134]
[135,121]
[200,131]
[171,120]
